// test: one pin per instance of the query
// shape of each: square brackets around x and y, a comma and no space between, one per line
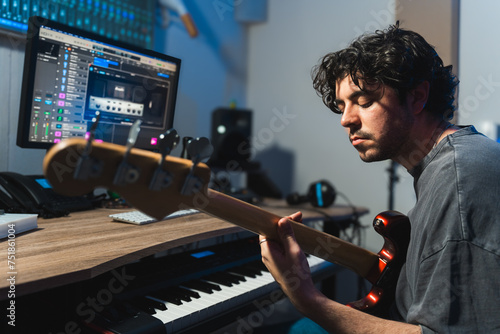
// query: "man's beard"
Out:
[387,147]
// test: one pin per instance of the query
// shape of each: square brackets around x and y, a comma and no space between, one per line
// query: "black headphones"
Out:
[321,194]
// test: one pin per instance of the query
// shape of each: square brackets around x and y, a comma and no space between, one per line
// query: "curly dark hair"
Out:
[395,57]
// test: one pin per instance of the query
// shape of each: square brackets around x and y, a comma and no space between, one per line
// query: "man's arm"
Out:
[288,265]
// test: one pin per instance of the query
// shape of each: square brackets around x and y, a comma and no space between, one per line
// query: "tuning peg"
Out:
[167,142]
[133,134]
[93,127]
[198,149]
[126,173]
[86,166]
[185,141]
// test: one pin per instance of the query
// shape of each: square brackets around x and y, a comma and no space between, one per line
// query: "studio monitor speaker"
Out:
[230,135]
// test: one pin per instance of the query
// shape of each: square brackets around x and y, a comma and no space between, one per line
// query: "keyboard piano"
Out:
[193,292]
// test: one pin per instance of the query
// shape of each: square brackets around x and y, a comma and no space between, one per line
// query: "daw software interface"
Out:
[72,77]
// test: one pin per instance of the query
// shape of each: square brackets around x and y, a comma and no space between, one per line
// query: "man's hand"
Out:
[287,263]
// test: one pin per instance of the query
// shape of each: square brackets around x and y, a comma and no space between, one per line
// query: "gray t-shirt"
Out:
[451,280]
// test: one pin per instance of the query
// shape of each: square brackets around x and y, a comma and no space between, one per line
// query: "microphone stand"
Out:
[393,178]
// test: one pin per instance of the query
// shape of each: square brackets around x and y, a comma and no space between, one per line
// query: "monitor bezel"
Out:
[29,71]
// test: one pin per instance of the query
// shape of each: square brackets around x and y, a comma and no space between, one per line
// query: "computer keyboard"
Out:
[139,218]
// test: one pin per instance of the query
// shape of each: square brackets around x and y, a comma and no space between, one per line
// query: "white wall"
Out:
[479,53]
[12,158]
[213,70]
[310,144]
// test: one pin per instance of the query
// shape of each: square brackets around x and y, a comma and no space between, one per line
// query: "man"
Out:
[395,98]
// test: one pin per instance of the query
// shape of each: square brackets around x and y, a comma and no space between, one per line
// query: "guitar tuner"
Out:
[162,178]
[127,173]
[86,166]
[199,149]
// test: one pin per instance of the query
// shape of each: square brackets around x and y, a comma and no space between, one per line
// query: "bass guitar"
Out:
[159,184]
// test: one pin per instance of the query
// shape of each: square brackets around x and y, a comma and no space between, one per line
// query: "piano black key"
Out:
[191,293]
[176,294]
[220,278]
[246,271]
[230,277]
[237,278]
[201,286]
[261,266]
[144,306]
[148,305]
[181,293]
[166,295]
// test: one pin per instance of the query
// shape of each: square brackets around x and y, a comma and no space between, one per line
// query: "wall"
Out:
[12,158]
[437,22]
[213,70]
[479,69]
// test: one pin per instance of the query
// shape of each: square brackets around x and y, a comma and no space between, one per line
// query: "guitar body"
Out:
[158,187]
[395,228]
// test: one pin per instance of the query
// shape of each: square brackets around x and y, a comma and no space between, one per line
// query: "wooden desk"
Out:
[87,244]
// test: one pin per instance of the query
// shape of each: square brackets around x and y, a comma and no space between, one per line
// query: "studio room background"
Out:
[263,63]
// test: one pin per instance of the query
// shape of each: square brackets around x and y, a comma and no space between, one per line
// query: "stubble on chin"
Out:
[374,151]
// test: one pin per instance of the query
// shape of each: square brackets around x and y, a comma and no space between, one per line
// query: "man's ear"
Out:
[418,97]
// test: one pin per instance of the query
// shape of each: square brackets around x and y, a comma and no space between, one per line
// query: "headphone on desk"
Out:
[321,194]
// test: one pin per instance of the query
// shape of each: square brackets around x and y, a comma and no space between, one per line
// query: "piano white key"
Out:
[207,303]
[215,302]
[175,313]
[186,318]
[175,316]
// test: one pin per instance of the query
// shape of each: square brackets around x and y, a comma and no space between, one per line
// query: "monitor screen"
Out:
[71,75]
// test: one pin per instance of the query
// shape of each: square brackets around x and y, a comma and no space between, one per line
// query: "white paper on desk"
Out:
[22,222]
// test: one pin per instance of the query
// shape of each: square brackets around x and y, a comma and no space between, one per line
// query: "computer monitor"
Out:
[70,75]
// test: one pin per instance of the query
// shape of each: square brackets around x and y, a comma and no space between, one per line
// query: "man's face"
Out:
[377,124]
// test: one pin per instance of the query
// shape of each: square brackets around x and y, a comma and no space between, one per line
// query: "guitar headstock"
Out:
[75,167]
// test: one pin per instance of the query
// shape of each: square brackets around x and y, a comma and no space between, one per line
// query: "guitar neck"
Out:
[312,241]
[62,160]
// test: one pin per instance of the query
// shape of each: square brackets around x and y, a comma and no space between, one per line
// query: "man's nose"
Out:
[349,116]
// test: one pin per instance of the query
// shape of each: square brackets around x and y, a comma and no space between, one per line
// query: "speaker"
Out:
[321,194]
[230,133]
